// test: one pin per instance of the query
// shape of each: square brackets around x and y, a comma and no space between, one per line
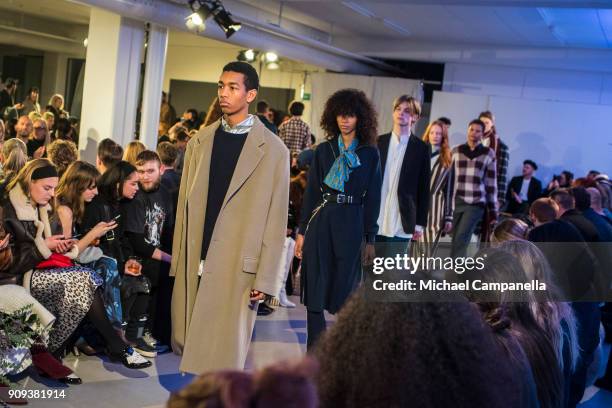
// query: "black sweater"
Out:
[224,157]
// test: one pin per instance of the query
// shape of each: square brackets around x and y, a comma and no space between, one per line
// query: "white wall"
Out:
[194,58]
[558,118]
[530,83]
[556,135]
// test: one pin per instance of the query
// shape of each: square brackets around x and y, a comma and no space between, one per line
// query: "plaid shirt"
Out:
[475,175]
[295,133]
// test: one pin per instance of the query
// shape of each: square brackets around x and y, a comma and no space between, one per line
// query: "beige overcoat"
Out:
[212,322]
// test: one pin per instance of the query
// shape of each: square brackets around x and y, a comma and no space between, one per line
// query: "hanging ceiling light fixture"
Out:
[247,55]
[202,9]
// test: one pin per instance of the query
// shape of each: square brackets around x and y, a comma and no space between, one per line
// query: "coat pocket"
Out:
[249,264]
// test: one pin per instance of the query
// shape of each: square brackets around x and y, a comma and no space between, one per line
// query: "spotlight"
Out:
[202,9]
[247,55]
[195,23]
[272,65]
[224,19]
[271,57]
[85,42]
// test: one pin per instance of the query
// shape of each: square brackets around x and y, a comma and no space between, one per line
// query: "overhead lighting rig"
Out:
[203,9]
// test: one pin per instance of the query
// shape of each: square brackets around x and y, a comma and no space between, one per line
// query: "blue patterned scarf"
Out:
[342,167]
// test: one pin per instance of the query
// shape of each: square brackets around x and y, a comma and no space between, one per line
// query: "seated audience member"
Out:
[56,106]
[148,225]
[554,317]
[510,229]
[30,103]
[418,355]
[167,113]
[582,200]
[214,113]
[181,140]
[49,119]
[65,131]
[573,271]
[563,180]
[62,154]
[567,212]
[523,190]
[13,158]
[109,153]
[279,385]
[39,139]
[23,129]
[263,113]
[70,292]
[116,187]
[603,185]
[170,179]
[523,326]
[191,119]
[132,151]
[15,297]
[75,189]
[597,206]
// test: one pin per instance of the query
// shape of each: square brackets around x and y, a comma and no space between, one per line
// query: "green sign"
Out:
[306,97]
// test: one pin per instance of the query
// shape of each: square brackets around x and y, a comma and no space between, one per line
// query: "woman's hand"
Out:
[103,227]
[133,268]
[448,227]
[58,243]
[5,242]
[299,243]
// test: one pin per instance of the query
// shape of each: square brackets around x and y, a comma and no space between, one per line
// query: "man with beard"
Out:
[148,225]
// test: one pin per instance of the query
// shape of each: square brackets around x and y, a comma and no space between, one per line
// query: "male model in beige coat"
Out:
[230,228]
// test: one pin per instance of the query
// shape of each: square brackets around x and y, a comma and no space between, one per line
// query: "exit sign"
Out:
[306,97]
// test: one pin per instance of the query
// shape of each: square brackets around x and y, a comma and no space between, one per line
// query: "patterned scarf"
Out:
[343,166]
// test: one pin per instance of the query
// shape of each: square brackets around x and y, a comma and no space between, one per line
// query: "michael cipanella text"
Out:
[459,265]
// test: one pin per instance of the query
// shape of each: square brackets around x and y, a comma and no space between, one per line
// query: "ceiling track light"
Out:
[202,9]
[249,55]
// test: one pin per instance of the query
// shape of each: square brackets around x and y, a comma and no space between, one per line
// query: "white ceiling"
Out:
[567,34]
[507,32]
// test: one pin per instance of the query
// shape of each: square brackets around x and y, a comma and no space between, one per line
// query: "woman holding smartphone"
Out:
[70,292]
[76,187]
[117,185]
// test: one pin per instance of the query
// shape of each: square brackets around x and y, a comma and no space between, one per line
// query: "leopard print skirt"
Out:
[68,294]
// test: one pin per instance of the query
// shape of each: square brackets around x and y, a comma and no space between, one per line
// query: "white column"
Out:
[112,78]
[152,86]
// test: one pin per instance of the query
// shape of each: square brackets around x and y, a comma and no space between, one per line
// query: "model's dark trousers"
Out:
[465,220]
[315,325]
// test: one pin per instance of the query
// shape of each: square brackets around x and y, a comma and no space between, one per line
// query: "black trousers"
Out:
[315,326]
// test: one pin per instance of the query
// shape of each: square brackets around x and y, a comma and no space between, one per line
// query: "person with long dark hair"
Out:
[117,186]
[340,207]
[42,262]
[76,188]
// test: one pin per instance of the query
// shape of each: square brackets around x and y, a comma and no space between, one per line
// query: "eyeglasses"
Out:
[40,128]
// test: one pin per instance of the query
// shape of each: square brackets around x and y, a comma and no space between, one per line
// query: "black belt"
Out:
[342,199]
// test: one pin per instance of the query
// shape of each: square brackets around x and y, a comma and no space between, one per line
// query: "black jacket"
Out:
[533,193]
[413,186]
